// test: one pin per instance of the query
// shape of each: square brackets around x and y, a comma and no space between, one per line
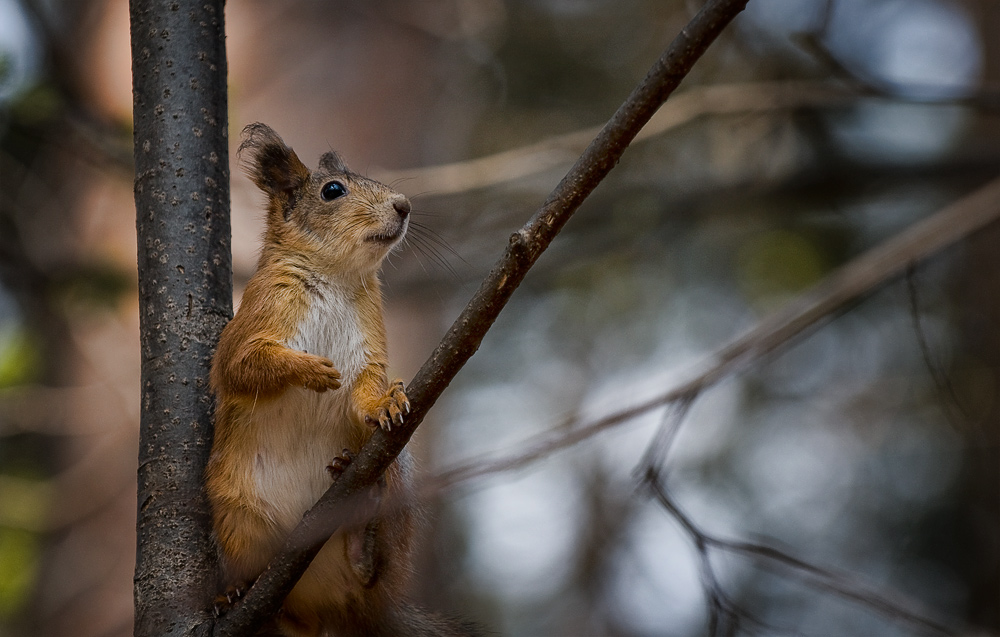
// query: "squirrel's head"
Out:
[341,221]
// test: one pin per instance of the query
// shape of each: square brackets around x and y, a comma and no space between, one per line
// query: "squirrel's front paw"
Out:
[319,374]
[391,409]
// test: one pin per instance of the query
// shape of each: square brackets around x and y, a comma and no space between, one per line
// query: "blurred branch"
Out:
[40,409]
[841,288]
[517,163]
[674,417]
[62,46]
[723,611]
[814,44]
[29,281]
[464,337]
[951,404]
[718,100]
[113,143]
[839,584]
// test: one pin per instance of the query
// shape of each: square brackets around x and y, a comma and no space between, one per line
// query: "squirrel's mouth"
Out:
[387,237]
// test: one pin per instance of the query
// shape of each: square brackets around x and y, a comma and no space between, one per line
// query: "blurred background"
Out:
[869,447]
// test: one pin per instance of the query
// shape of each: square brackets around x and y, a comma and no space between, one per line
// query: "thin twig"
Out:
[541,446]
[264,599]
[815,43]
[839,584]
[664,438]
[722,608]
[950,402]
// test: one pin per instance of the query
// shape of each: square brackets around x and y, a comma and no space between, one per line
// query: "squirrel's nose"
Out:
[402,206]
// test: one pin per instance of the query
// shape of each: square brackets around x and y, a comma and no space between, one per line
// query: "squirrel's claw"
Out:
[391,409]
[339,464]
[225,601]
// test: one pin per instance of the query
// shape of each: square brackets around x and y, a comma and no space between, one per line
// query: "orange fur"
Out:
[284,412]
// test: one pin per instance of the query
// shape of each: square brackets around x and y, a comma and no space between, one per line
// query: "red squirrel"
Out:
[300,381]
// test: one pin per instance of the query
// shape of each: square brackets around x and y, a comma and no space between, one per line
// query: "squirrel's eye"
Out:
[332,190]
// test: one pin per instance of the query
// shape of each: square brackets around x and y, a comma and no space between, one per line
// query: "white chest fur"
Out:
[331,328]
[290,472]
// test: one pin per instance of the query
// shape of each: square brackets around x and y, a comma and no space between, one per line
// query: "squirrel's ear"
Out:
[271,164]
[332,162]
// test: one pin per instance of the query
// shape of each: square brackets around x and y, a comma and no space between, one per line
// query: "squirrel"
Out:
[300,381]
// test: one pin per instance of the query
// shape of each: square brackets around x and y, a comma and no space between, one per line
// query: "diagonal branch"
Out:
[464,337]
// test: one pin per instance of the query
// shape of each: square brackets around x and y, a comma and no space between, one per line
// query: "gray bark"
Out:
[185,295]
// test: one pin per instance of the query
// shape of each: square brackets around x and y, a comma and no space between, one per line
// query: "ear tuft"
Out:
[270,163]
[332,162]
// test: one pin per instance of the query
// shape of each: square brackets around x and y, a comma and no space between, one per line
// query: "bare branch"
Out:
[660,445]
[464,337]
[814,43]
[721,608]
[839,584]
[847,284]
[951,404]
[560,150]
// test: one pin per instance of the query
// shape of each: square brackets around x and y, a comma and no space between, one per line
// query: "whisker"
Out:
[399,181]
[439,248]
[422,194]
[429,250]
[432,236]
[389,260]
[416,254]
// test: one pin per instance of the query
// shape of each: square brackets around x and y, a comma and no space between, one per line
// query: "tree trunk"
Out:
[185,296]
